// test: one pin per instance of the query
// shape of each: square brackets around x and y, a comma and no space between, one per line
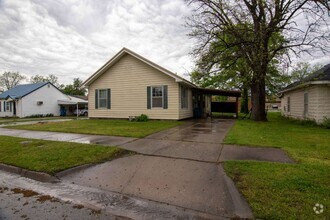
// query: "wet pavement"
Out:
[21,204]
[70,201]
[69,137]
[232,152]
[179,167]
[194,185]
[8,122]
[201,131]
[195,140]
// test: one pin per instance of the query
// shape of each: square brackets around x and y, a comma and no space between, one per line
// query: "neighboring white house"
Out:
[308,98]
[130,85]
[32,99]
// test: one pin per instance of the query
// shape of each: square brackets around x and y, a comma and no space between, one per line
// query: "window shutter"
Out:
[165,106]
[109,98]
[148,97]
[96,98]
[4,106]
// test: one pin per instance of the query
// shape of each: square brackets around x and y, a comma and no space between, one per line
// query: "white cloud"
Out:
[73,38]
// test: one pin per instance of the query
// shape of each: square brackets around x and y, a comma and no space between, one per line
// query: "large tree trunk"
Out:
[245,101]
[258,98]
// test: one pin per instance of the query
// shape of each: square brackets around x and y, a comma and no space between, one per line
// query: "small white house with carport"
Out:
[32,99]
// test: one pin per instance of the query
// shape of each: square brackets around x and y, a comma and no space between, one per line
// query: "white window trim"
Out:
[151,95]
[106,98]
[8,107]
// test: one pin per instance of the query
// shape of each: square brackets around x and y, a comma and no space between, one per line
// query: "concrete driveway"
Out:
[177,167]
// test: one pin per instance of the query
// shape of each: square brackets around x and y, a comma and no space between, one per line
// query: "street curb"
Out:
[39,176]
[74,169]
[241,207]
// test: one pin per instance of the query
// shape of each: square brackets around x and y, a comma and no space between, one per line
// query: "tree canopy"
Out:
[74,88]
[10,79]
[258,33]
[302,70]
[49,78]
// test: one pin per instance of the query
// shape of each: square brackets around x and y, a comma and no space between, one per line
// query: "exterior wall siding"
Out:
[318,103]
[48,95]
[128,80]
[5,113]
[323,106]
[186,112]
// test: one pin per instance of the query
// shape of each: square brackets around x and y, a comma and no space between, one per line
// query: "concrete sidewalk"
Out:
[69,137]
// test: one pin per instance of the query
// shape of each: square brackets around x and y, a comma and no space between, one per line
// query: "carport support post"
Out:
[77,111]
[236,107]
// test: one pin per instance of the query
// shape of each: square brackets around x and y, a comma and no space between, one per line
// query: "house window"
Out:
[102,98]
[157,97]
[288,104]
[7,106]
[305,104]
[184,97]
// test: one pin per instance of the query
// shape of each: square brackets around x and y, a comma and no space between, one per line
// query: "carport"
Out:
[69,105]
[204,106]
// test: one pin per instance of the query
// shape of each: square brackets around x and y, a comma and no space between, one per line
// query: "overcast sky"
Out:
[73,38]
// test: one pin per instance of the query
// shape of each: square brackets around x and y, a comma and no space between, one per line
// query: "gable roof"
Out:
[20,91]
[125,51]
[320,76]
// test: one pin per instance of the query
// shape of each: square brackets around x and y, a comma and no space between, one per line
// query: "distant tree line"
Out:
[9,80]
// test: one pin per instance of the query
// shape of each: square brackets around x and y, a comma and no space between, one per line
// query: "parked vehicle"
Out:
[83,112]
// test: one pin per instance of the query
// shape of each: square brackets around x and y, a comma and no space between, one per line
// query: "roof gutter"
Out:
[326,82]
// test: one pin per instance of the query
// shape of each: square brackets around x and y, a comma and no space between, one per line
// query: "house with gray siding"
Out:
[308,98]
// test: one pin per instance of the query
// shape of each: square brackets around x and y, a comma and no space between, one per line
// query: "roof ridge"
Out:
[322,74]
[119,54]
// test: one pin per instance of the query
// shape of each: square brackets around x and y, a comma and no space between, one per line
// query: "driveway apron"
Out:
[178,166]
[196,140]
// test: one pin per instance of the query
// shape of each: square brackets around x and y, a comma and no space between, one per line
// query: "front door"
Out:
[14,108]
[198,104]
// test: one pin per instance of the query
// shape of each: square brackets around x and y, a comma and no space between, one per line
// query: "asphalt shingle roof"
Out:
[322,74]
[21,90]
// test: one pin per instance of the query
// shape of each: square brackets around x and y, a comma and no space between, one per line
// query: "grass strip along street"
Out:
[283,191]
[52,156]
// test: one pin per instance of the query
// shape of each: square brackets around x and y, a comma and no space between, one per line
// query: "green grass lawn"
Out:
[52,156]
[104,127]
[283,191]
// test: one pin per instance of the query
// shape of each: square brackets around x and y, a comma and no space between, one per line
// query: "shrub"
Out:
[49,115]
[142,118]
[304,122]
[326,123]
[35,116]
